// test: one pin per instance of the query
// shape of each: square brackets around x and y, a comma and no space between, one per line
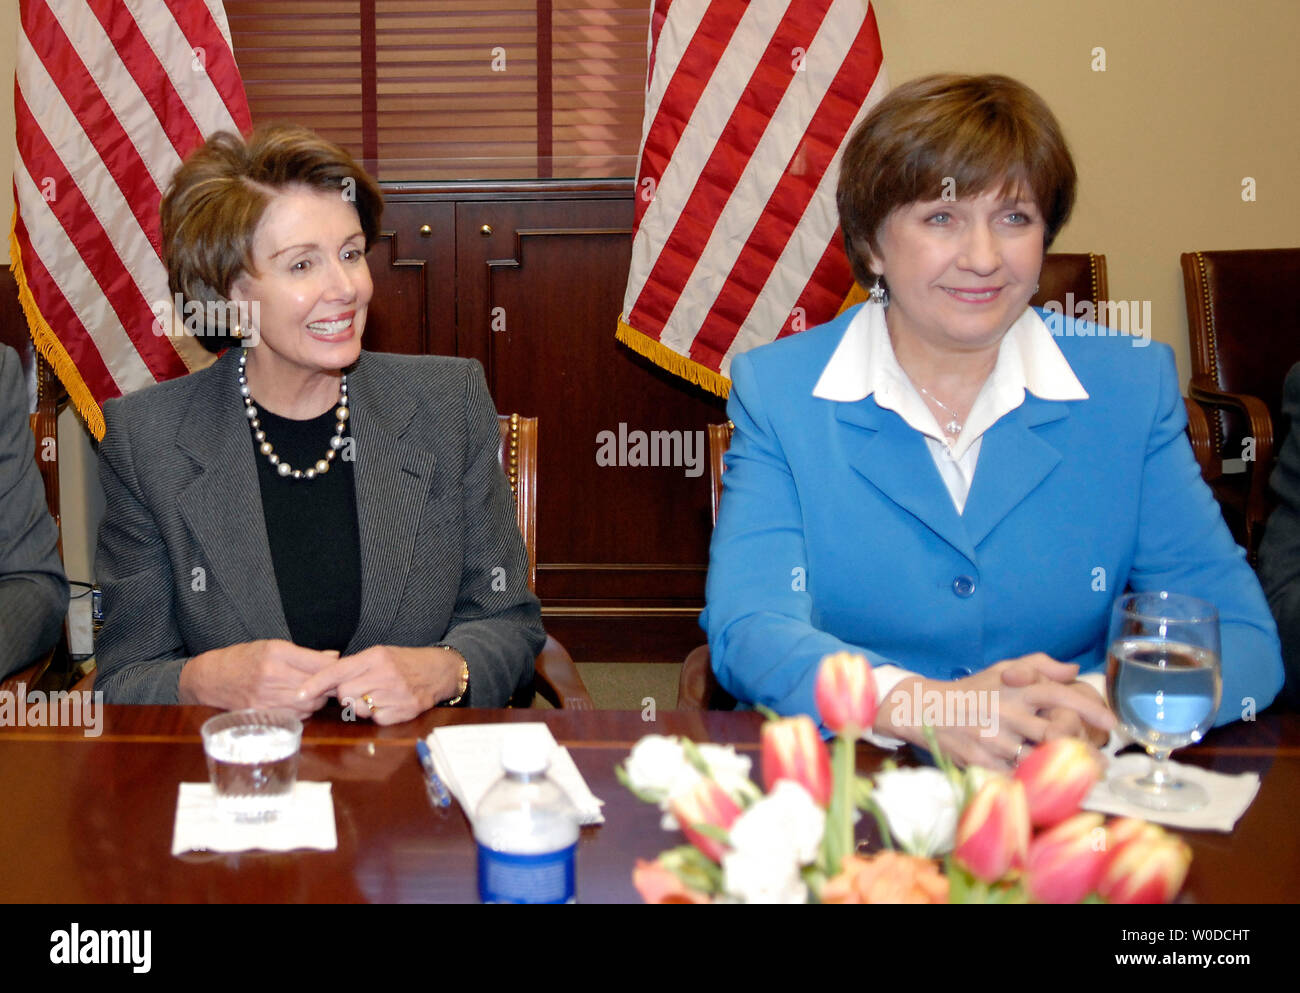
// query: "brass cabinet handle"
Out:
[485,230]
[426,231]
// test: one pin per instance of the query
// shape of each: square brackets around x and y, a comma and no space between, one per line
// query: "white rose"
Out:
[752,877]
[921,808]
[730,771]
[785,826]
[655,766]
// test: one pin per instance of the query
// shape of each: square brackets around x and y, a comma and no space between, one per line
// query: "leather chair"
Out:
[556,677]
[56,667]
[1245,336]
[1065,275]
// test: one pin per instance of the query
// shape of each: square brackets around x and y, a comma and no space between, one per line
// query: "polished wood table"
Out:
[89,819]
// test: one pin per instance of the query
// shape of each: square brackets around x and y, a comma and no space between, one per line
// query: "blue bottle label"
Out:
[544,878]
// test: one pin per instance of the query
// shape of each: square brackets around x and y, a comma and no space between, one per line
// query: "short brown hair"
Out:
[979,132]
[217,197]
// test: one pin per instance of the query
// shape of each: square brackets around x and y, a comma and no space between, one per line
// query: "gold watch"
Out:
[462,683]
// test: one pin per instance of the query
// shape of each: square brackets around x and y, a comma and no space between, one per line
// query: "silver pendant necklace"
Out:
[254,421]
[953,428]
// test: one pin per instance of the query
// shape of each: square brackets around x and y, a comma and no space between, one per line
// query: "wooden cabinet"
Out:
[529,280]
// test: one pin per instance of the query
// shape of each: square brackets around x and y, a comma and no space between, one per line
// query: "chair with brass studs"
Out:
[557,678]
[1245,336]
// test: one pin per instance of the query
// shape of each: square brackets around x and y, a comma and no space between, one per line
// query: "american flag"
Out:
[736,241]
[110,96]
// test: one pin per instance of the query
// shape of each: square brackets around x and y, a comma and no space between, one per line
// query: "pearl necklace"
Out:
[953,428]
[284,468]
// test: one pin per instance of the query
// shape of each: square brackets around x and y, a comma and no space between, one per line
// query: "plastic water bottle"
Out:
[526,828]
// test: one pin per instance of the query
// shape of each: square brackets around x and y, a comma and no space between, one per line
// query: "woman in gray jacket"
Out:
[303,519]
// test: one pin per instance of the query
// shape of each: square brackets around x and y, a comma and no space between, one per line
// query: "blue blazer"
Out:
[836,531]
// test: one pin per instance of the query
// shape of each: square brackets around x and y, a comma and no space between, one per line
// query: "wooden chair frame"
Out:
[557,678]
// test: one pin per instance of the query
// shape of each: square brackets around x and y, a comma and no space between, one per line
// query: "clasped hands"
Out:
[386,683]
[1035,698]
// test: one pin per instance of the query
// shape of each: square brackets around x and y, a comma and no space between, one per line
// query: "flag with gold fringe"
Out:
[110,96]
[736,239]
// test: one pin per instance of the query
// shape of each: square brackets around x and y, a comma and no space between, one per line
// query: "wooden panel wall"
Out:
[529,280]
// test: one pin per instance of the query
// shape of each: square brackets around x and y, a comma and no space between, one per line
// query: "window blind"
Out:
[453,89]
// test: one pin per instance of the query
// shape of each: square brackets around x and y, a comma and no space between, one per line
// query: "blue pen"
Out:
[438,794]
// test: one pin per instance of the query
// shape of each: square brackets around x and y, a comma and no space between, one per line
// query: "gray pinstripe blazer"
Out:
[183,557]
[33,589]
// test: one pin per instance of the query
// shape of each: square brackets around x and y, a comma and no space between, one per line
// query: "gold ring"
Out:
[368,700]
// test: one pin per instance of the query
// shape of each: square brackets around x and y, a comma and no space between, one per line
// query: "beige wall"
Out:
[1196,95]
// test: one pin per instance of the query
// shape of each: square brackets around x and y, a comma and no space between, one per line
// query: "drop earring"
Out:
[879,294]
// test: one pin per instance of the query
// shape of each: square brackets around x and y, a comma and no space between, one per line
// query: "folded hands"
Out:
[386,683]
[1032,699]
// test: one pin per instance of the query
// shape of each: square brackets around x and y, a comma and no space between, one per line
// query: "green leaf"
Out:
[944,764]
[712,831]
[693,756]
[693,868]
[882,822]
[966,888]
[862,790]
[815,879]
[837,841]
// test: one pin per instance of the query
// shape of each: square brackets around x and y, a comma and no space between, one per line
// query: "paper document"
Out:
[468,758]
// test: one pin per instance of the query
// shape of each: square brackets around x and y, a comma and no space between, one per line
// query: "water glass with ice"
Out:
[253,762]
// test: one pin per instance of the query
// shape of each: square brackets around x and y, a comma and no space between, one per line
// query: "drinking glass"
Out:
[1164,683]
[253,762]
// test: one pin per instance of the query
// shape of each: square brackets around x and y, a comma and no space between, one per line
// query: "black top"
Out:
[311,526]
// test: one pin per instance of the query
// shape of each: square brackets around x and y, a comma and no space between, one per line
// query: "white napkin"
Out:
[1229,795]
[307,823]
[468,758]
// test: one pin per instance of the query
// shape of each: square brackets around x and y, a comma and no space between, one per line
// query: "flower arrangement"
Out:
[965,837]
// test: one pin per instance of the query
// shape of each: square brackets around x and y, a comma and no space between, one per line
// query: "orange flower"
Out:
[886,877]
[657,884]
[845,693]
[792,749]
[1057,775]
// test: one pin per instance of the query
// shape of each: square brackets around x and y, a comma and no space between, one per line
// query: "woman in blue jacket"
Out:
[950,481]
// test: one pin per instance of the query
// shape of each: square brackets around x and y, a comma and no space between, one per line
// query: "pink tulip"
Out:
[993,833]
[792,749]
[1149,868]
[1065,863]
[1057,775]
[706,803]
[1126,829]
[845,694]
